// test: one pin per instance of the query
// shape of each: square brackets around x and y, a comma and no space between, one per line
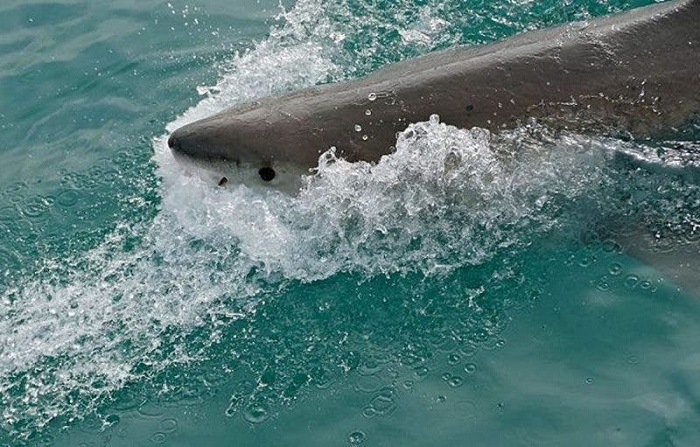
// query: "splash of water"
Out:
[83,327]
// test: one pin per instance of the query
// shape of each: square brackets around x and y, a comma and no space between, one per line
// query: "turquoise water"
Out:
[444,297]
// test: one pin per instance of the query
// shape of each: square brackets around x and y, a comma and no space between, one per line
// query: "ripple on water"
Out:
[158,438]
[382,403]
[68,198]
[9,261]
[36,207]
[256,412]
[168,425]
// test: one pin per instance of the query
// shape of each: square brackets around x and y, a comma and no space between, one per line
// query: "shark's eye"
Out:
[267,174]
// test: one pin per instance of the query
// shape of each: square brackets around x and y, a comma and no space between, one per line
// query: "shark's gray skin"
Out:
[637,72]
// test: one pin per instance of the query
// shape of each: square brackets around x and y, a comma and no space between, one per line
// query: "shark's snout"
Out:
[192,142]
[174,142]
[182,142]
[208,139]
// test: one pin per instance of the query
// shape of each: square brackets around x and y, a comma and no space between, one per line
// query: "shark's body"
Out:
[635,72]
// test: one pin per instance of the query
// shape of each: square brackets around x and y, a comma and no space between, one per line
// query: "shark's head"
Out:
[229,149]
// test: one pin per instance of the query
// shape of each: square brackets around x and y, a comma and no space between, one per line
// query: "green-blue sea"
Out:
[446,296]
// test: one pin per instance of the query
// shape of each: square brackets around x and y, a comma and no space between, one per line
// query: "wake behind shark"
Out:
[636,73]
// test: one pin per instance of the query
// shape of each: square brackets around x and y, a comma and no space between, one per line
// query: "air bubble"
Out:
[369,412]
[468,350]
[602,284]
[455,381]
[631,281]
[421,371]
[358,128]
[368,112]
[372,96]
[364,137]
[586,261]
[615,269]
[434,118]
[356,438]
[611,246]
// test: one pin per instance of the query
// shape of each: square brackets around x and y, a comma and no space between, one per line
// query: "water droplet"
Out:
[586,261]
[368,112]
[603,284]
[364,137]
[421,371]
[455,381]
[468,350]
[500,343]
[589,380]
[610,246]
[470,368]
[631,281]
[356,438]
[372,96]
[453,359]
[369,412]
[633,360]
[358,128]
[615,269]
[446,376]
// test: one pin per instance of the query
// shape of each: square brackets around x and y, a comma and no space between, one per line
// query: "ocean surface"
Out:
[442,297]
